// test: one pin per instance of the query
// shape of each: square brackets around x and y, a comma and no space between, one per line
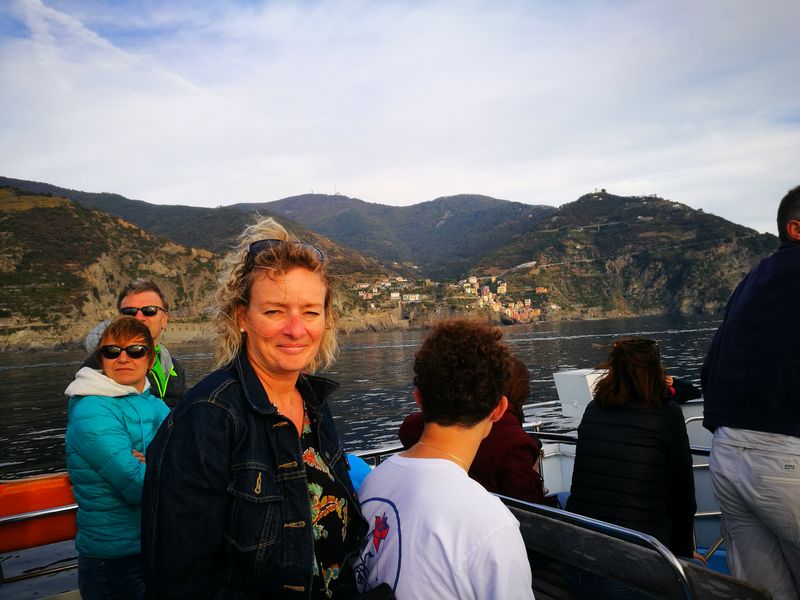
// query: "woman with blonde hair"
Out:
[247,493]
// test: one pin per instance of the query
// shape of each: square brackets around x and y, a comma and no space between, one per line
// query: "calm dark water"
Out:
[375,370]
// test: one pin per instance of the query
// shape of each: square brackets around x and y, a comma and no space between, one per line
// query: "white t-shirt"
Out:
[436,533]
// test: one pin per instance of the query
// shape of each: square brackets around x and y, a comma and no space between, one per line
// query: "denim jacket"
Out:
[226,510]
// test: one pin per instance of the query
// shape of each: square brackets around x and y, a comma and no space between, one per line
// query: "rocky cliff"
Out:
[61,267]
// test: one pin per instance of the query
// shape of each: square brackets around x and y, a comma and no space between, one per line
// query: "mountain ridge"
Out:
[444,236]
[440,238]
[601,255]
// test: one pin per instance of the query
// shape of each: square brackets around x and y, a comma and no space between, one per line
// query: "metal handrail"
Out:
[380,453]
[35,514]
[545,436]
[377,455]
[707,514]
[28,516]
[712,550]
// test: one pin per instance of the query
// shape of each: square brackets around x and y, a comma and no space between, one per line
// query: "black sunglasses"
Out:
[259,246]
[133,351]
[147,311]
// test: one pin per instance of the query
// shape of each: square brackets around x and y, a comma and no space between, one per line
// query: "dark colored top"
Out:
[225,509]
[682,391]
[633,468]
[175,384]
[329,515]
[506,459]
[751,375]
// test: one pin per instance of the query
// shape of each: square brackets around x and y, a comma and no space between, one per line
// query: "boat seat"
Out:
[637,559]
[549,582]
[710,585]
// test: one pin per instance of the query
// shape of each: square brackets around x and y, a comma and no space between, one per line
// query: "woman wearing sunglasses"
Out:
[633,465]
[112,417]
[247,493]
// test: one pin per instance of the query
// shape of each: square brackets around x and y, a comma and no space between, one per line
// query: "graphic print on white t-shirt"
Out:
[383,544]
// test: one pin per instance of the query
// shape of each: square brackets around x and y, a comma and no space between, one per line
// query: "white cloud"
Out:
[404,101]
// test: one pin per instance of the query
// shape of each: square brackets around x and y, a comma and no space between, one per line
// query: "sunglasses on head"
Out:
[147,311]
[636,342]
[113,351]
[261,245]
[639,343]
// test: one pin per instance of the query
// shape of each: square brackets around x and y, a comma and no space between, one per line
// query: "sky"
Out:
[403,101]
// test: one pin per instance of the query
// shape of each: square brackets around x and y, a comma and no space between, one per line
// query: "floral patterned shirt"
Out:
[329,517]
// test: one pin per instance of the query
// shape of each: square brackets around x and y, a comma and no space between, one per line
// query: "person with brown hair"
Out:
[508,461]
[247,492]
[436,533]
[633,464]
[112,418]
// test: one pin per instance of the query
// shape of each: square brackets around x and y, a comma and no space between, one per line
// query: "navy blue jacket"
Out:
[751,375]
[226,510]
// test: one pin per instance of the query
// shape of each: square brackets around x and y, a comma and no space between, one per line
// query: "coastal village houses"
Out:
[479,292]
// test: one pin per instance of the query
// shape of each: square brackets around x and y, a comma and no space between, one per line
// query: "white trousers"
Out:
[758,492]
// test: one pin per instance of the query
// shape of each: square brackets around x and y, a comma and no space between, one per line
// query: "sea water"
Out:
[374,370]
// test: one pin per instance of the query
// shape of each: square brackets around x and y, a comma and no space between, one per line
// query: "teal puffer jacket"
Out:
[106,421]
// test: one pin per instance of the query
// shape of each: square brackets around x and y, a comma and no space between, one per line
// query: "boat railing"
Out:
[30,517]
[378,455]
[36,511]
[37,514]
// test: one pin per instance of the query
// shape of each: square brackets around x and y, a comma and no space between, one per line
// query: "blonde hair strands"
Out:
[235,282]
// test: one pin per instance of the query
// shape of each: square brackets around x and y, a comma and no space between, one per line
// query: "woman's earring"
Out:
[241,329]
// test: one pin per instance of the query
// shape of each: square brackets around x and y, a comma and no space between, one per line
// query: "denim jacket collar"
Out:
[311,388]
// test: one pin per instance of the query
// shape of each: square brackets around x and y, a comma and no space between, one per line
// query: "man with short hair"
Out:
[751,386]
[145,301]
[436,533]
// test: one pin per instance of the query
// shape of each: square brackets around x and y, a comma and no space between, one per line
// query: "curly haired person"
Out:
[436,533]
[508,459]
